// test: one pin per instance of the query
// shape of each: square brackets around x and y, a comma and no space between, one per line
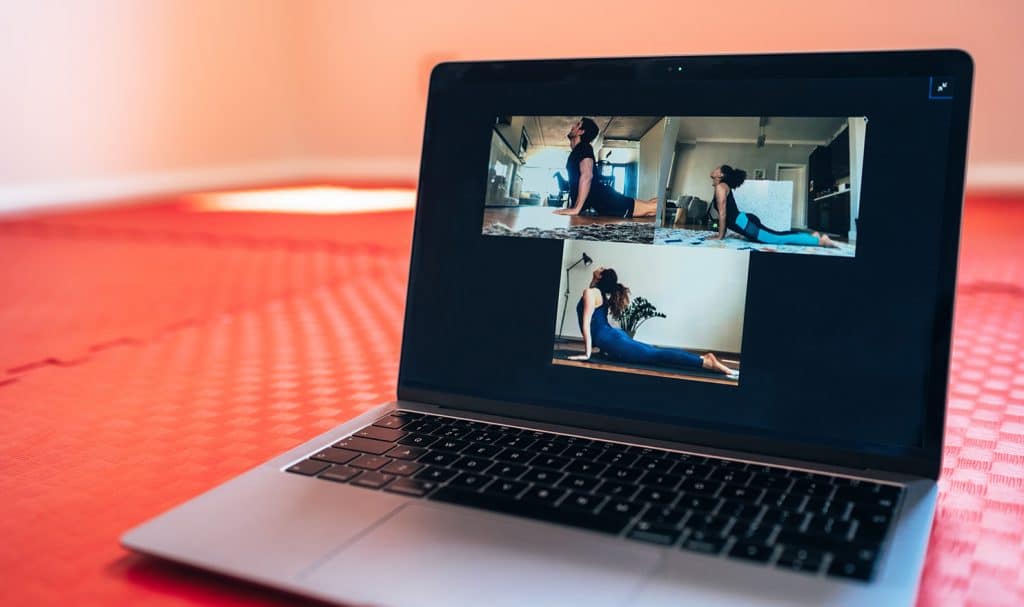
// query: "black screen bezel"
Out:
[923,461]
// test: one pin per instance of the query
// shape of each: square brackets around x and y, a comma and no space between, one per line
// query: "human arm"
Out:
[586,177]
[588,313]
[721,194]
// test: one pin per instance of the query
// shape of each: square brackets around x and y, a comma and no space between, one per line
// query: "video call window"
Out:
[662,311]
[659,216]
[748,183]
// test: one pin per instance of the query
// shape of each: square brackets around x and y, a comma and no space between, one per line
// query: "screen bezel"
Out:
[923,461]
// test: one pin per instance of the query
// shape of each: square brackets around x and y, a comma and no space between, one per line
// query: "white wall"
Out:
[649,164]
[702,292]
[694,163]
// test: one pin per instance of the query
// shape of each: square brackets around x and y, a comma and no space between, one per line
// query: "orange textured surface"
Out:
[154,357]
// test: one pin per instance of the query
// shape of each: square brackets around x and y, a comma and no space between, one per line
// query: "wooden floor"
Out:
[608,365]
[544,218]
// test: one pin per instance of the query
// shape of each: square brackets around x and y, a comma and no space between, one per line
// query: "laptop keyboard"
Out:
[800,521]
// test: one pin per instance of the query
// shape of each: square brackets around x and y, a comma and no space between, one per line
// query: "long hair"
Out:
[614,292]
[733,178]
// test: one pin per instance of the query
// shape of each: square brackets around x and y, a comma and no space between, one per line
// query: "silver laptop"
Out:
[677,332]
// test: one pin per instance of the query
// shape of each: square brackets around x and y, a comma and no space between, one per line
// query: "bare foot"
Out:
[825,241]
[712,363]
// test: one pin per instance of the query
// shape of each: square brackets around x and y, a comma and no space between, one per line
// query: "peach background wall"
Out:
[105,98]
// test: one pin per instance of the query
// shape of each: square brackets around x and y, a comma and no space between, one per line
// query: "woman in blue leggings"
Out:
[748,225]
[605,296]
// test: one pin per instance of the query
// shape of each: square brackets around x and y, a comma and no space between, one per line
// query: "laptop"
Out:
[677,332]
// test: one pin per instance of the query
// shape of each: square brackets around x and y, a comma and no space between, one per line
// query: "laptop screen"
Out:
[752,256]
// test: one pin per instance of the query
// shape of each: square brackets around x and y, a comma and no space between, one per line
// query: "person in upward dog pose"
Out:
[726,179]
[606,295]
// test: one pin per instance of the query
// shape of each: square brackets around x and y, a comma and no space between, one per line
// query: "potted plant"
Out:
[637,313]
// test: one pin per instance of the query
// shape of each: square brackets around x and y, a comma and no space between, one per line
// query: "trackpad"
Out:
[435,555]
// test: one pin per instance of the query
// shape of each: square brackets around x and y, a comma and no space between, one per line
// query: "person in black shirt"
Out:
[585,192]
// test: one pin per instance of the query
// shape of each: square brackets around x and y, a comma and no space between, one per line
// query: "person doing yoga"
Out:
[605,296]
[586,192]
[748,225]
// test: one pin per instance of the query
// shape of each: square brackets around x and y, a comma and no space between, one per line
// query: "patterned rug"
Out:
[699,238]
[635,232]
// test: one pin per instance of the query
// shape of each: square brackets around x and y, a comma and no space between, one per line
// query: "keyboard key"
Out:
[473,464]
[646,531]
[583,453]
[618,458]
[586,467]
[485,451]
[751,552]
[514,456]
[700,487]
[765,481]
[543,477]
[583,502]
[392,421]
[691,469]
[709,524]
[823,525]
[731,476]
[363,445]
[370,462]
[403,452]
[511,471]
[740,510]
[401,468]
[518,442]
[418,440]
[810,488]
[548,448]
[552,462]
[854,570]
[606,523]
[339,474]
[484,437]
[657,496]
[309,467]
[623,475]
[659,480]
[704,545]
[664,515]
[451,445]
[617,489]
[543,495]
[749,495]
[438,458]
[506,488]
[424,427]
[372,480]
[622,508]
[698,503]
[801,559]
[336,456]
[411,486]
[469,481]
[785,518]
[384,434]
[435,474]
[579,482]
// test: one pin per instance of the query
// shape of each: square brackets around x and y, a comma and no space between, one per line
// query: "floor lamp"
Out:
[586,261]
